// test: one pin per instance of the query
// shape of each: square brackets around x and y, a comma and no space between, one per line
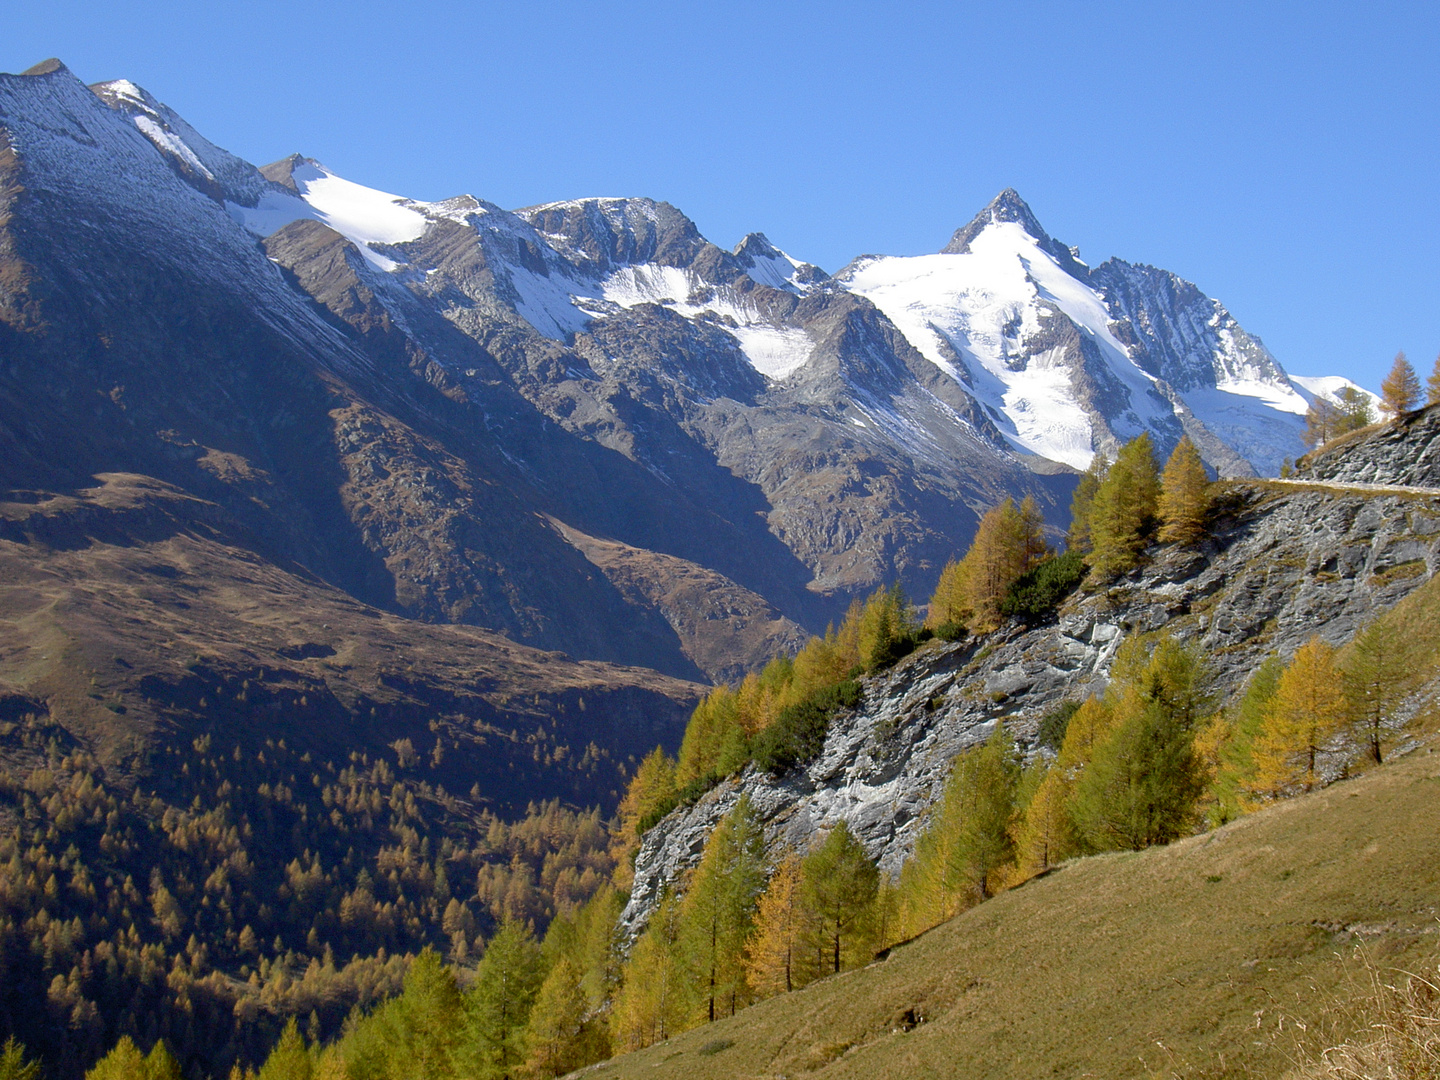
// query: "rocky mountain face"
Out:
[1283,562]
[137,617]
[581,426]
[1070,360]
[1405,451]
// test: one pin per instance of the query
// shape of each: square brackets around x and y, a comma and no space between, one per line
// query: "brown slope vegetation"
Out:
[229,792]
[727,630]
[1190,959]
[136,615]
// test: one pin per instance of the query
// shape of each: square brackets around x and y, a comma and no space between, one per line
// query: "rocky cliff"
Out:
[1405,451]
[1283,562]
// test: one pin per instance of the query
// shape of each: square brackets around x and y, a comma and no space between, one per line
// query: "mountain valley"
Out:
[364,562]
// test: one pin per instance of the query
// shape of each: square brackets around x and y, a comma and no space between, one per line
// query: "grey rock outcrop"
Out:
[1281,565]
[1406,451]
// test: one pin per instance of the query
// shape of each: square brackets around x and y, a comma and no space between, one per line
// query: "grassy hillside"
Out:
[1189,960]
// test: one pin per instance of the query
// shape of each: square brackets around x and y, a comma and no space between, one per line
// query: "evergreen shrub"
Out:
[1038,592]
[798,733]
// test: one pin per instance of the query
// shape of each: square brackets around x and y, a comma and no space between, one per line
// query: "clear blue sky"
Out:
[1283,156]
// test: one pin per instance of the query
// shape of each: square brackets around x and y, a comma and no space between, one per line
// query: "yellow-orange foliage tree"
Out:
[1309,708]
[1009,541]
[1400,392]
[776,959]
[1184,505]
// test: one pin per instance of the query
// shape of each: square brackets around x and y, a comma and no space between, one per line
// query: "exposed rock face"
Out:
[415,393]
[1406,451]
[1282,564]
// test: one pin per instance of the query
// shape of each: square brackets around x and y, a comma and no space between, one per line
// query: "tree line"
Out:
[1352,409]
[1148,761]
[245,884]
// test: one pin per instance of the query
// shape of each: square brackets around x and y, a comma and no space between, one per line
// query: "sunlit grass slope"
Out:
[1185,960]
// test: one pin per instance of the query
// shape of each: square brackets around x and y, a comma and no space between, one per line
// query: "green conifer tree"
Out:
[160,1063]
[1122,516]
[982,789]
[288,1060]
[1083,501]
[1144,781]
[557,1023]
[431,1017]
[838,885]
[1378,677]
[654,1003]
[713,726]
[498,1002]
[718,912]
[1357,410]
[1234,744]
[13,1064]
[125,1062]
[967,848]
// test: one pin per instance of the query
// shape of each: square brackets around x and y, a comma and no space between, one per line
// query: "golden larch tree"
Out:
[1309,707]
[1400,392]
[1045,834]
[1184,506]
[776,960]
[651,787]
[950,604]
[1009,541]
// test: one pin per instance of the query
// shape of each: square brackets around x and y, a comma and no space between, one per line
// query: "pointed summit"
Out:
[757,245]
[1008,206]
[46,67]
[282,172]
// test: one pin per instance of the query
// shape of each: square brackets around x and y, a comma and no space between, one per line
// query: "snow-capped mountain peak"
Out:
[302,188]
[1072,360]
[1005,326]
[766,264]
[1004,317]
[218,173]
[1009,207]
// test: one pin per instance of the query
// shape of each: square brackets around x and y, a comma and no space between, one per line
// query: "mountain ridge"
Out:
[829,443]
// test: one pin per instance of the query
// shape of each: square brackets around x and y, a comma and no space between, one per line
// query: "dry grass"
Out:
[1187,961]
[1390,1026]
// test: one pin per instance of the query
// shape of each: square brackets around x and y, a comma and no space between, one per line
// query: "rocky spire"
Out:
[1009,206]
